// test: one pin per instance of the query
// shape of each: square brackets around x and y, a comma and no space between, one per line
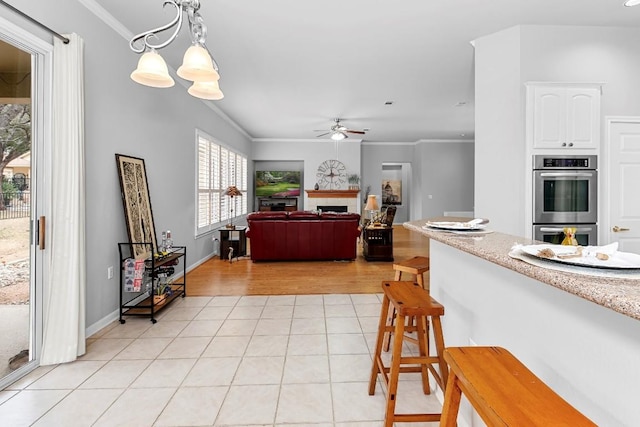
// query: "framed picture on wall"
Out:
[391,192]
[137,205]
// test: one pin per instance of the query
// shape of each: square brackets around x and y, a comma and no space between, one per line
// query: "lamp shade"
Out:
[152,71]
[232,191]
[630,3]
[372,203]
[206,90]
[197,65]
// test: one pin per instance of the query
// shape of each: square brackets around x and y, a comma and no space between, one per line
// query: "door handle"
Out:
[617,229]
[41,232]
[561,230]
[567,174]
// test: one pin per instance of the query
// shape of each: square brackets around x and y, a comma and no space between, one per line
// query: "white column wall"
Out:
[586,353]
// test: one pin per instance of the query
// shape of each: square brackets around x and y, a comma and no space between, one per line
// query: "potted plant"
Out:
[354,181]
[162,291]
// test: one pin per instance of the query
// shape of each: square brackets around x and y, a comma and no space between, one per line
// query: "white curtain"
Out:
[64,302]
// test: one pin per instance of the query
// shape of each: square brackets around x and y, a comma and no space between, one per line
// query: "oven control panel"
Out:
[565,162]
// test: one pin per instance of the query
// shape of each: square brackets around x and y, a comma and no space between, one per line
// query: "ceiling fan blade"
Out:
[354,131]
[322,134]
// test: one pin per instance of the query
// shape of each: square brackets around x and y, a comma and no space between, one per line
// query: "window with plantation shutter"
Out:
[217,168]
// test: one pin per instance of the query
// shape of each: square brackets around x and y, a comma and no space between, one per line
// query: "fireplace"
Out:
[332,208]
[329,199]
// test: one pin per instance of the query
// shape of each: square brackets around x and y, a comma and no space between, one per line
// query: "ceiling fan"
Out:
[338,132]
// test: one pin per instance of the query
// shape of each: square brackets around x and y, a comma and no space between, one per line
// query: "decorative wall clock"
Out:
[331,175]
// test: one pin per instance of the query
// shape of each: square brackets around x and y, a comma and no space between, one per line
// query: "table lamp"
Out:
[371,206]
[231,191]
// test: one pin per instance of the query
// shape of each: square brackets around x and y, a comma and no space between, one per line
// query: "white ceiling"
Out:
[290,66]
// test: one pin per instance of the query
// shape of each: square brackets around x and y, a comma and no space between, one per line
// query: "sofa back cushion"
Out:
[303,215]
[340,215]
[267,215]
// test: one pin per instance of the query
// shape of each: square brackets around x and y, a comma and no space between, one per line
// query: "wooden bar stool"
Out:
[409,300]
[503,391]
[416,266]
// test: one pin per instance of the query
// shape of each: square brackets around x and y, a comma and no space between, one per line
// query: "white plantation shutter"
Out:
[217,168]
[224,181]
[203,211]
[216,185]
[243,187]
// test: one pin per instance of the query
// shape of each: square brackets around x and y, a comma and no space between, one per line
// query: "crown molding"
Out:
[107,18]
[444,141]
[121,29]
[396,143]
[351,140]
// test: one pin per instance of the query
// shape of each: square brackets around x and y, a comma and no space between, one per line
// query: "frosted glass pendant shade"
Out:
[630,3]
[206,90]
[152,71]
[197,65]
[338,136]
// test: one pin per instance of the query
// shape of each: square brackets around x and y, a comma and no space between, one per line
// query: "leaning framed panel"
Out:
[137,205]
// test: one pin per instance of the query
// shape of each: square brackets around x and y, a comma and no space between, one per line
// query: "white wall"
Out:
[121,116]
[505,61]
[586,353]
[499,148]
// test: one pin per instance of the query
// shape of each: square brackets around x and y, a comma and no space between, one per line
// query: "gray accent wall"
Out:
[444,170]
[310,153]
[159,126]
[123,117]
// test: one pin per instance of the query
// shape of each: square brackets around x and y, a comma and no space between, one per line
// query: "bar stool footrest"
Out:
[408,418]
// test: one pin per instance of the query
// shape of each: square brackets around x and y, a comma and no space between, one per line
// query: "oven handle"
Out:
[567,174]
[557,230]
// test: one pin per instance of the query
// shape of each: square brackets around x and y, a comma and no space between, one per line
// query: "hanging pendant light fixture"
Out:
[152,71]
[197,66]
[206,90]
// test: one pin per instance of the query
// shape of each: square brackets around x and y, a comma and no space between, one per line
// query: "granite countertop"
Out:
[619,294]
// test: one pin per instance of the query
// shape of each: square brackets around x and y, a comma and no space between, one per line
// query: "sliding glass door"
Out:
[23,153]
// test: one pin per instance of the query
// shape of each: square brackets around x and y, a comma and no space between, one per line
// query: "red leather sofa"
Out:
[301,235]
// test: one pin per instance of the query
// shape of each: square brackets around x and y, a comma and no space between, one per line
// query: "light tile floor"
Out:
[223,361]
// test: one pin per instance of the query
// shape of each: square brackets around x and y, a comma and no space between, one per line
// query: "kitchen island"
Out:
[578,333]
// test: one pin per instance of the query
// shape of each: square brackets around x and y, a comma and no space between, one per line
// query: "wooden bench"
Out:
[503,391]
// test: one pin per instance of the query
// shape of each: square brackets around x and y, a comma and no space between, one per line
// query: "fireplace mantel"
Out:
[334,194]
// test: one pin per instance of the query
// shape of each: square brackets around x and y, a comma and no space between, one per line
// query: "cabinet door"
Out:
[583,118]
[549,121]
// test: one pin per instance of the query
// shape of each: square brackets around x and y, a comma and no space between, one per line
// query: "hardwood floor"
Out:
[244,277]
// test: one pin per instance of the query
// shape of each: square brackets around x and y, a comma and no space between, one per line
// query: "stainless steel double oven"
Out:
[565,194]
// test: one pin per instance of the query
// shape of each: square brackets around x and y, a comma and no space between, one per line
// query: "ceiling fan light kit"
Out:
[338,136]
[339,132]
[197,66]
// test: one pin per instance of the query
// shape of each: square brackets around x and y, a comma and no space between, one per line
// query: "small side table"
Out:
[378,243]
[235,238]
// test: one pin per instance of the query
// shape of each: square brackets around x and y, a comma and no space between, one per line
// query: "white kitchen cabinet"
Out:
[564,116]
